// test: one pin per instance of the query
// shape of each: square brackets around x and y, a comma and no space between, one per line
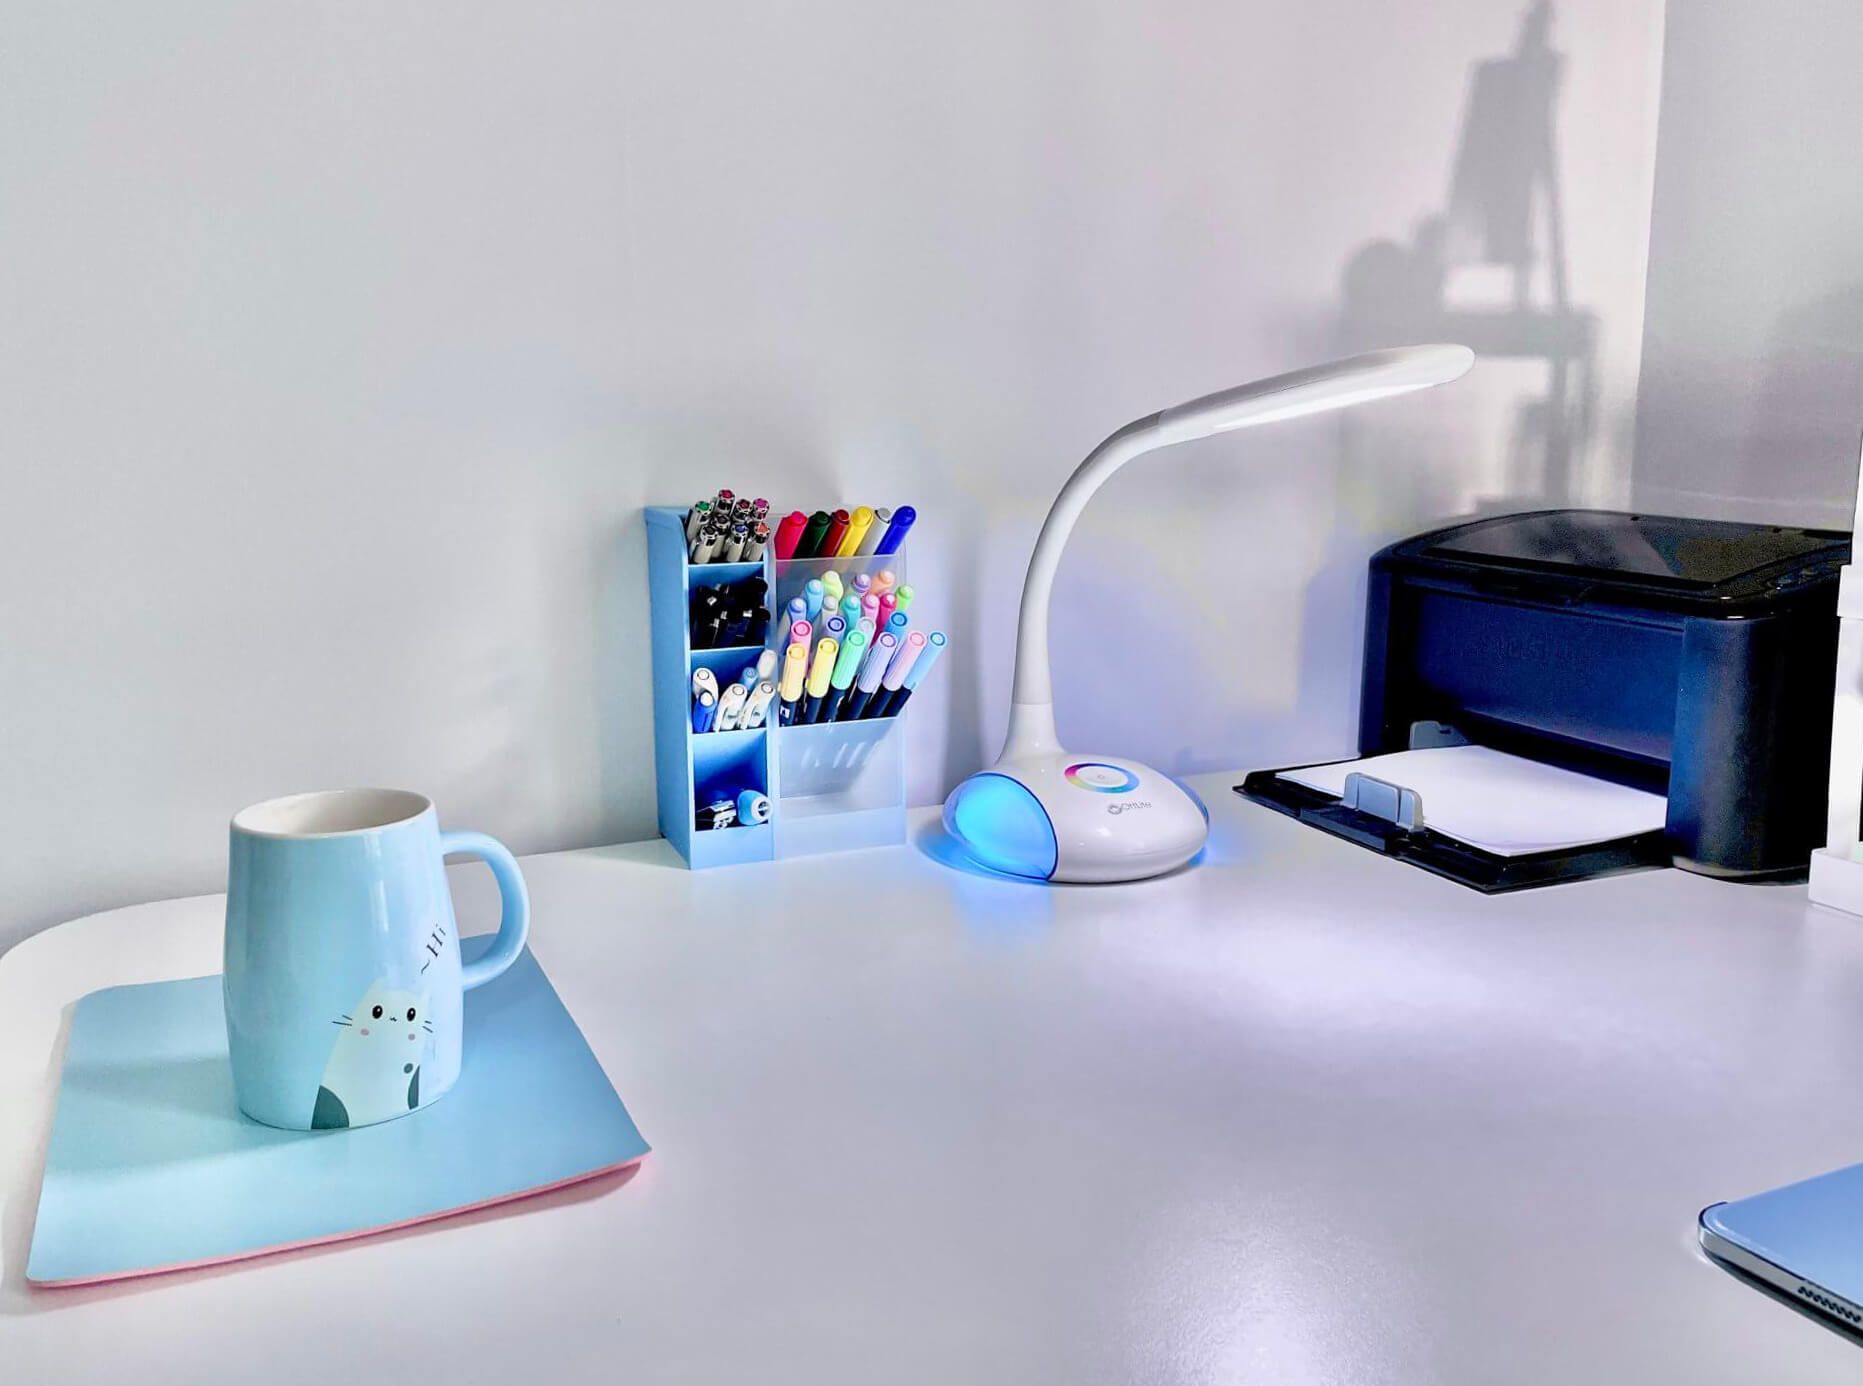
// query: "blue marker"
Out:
[896,529]
[797,610]
[704,708]
[812,599]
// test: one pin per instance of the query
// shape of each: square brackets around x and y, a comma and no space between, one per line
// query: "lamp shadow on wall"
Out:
[1488,269]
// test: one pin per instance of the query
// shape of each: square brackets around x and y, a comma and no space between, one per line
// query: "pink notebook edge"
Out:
[348,1235]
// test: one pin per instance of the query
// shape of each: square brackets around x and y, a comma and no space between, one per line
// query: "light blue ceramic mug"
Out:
[344,987]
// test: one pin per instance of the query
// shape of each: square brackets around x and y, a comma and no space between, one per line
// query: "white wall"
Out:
[344,343]
[1751,403]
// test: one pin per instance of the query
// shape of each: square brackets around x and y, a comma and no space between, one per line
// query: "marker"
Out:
[934,646]
[897,623]
[820,672]
[813,596]
[799,633]
[837,531]
[704,681]
[862,582]
[789,533]
[883,582]
[810,545]
[902,598]
[882,706]
[834,628]
[896,529]
[753,807]
[696,518]
[795,667]
[832,588]
[870,609]
[757,705]
[868,680]
[870,542]
[797,610]
[867,628]
[704,708]
[850,609]
[846,665]
[730,708]
[857,525]
[888,604]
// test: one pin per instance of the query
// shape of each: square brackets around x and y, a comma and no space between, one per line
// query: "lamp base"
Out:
[1055,816]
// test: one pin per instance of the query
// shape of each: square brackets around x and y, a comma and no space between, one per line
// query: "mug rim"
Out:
[394,808]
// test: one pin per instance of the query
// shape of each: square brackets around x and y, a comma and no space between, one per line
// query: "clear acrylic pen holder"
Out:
[832,786]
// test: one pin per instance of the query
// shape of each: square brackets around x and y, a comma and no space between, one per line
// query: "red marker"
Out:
[788,532]
[837,530]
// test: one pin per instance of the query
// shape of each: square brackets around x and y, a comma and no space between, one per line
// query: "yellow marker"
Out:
[795,665]
[857,524]
[822,670]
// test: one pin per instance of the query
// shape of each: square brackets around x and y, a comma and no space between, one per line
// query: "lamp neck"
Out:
[1031,713]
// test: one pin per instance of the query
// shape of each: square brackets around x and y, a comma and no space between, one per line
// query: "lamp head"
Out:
[1044,813]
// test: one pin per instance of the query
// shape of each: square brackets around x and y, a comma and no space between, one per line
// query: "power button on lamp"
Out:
[1101,778]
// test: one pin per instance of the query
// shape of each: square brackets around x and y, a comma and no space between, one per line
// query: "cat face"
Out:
[390,1019]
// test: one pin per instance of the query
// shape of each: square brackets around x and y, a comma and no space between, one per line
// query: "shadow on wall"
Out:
[1487,269]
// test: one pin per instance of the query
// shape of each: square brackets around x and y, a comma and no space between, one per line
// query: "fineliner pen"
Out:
[705,546]
[734,544]
[821,670]
[757,705]
[730,707]
[858,523]
[759,536]
[870,542]
[813,595]
[811,544]
[896,529]
[696,518]
[760,507]
[795,667]
[789,533]
[724,501]
[704,708]
[837,531]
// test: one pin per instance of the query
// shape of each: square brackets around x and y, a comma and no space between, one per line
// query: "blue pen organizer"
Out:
[832,786]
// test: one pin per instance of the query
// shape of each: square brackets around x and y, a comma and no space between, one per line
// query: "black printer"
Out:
[1691,658]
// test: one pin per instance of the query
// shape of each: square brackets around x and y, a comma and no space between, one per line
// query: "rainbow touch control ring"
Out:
[1101,778]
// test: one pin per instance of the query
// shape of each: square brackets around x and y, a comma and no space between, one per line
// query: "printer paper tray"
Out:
[1488,872]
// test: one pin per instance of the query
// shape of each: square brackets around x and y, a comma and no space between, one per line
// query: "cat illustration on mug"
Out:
[374,1068]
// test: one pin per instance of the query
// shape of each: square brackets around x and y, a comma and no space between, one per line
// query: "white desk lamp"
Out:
[1043,813]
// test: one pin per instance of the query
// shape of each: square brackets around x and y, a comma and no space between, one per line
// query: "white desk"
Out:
[1298,1115]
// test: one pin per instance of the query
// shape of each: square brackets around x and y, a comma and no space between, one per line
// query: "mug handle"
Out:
[514,920]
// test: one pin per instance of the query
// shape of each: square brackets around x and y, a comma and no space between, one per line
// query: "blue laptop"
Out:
[1804,1240]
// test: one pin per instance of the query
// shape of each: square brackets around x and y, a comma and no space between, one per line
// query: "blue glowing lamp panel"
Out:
[1003,825]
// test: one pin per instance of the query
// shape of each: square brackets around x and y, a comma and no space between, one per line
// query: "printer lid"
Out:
[1693,561]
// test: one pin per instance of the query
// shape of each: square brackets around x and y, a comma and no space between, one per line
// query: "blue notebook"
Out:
[151,1166]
